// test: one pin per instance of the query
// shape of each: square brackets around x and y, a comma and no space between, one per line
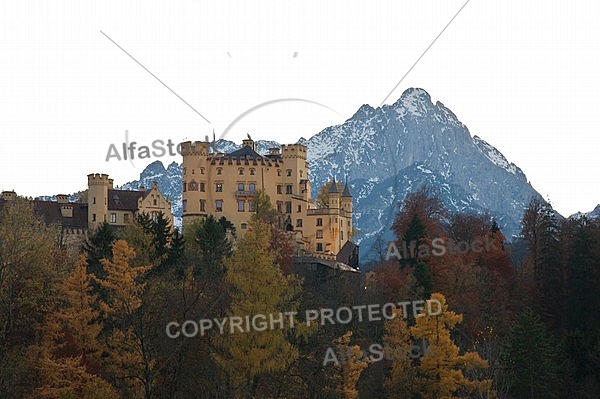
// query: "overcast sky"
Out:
[523,75]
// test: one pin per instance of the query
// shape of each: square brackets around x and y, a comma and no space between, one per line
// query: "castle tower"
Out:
[98,186]
[347,198]
[334,196]
[195,179]
[296,166]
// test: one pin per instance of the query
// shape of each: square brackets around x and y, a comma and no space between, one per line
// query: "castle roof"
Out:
[49,212]
[245,156]
[333,188]
[346,192]
[125,200]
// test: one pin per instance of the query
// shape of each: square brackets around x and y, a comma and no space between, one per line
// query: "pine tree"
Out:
[211,246]
[530,358]
[98,246]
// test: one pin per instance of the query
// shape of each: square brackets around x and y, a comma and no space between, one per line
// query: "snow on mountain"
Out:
[389,152]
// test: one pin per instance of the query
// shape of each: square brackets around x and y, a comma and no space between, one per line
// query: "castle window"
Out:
[240,206]
[319,233]
[184,205]
[279,205]
[241,171]
[278,172]
[202,188]
[300,173]
[244,226]
[219,205]
[113,218]
[348,223]
[240,186]
[251,206]
[288,207]
[299,223]
[219,171]
[154,216]
[341,235]
[279,189]
[94,200]
[202,206]
[126,218]
[193,186]
[184,187]
[289,172]
[319,247]
[299,209]
[319,222]
[251,172]
[251,187]
[201,171]
[93,217]
[219,187]
[184,170]
[288,189]
[192,171]
[154,202]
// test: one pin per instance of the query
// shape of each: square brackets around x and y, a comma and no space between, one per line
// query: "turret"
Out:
[346,198]
[334,196]
[98,186]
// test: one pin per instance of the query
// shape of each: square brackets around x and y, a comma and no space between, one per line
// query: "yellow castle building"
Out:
[119,207]
[222,184]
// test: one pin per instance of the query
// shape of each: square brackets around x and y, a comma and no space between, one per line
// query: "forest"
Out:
[520,319]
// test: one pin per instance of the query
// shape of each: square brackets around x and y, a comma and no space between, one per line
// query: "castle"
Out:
[222,184]
[105,204]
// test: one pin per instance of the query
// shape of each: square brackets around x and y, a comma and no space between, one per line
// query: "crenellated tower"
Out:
[98,186]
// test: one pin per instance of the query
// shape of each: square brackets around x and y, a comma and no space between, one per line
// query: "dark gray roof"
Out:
[333,188]
[346,192]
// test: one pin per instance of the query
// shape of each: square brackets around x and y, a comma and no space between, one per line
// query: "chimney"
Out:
[62,198]
[9,195]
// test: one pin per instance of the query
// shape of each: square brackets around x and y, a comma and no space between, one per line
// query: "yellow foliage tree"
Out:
[127,345]
[341,377]
[257,287]
[69,347]
[438,374]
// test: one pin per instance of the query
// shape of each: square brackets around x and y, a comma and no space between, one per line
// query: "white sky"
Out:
[523,75]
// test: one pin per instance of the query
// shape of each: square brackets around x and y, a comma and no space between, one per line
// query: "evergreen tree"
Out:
[98,246]
[530,358]
[210,247]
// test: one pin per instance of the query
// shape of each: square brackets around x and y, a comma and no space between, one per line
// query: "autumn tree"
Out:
[257,286]
[344,363]
[129,357]
[67,357]
[31,268]
[441,375]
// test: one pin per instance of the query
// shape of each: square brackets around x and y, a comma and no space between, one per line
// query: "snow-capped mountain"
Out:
[590,215]
[388,152]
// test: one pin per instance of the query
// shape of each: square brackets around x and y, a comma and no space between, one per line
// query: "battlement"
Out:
[97,179]
[198,148]
[293,151]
